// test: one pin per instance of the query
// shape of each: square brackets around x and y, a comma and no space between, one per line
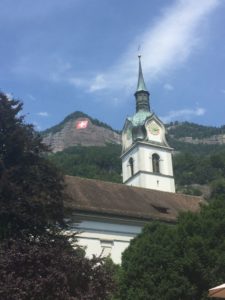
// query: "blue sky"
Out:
[62,56]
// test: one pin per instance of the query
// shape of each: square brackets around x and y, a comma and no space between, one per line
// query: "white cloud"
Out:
[9,96]
[31,97]
[183,113]
[168,87]
[115,101]
[167,44]
[98,83]
[77,82]
[43,114]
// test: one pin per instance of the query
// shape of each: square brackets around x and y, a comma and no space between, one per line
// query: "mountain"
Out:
[89,148]
[196,134]
[79,129]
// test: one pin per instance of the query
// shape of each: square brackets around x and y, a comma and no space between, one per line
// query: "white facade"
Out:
[105,236]
[142,173]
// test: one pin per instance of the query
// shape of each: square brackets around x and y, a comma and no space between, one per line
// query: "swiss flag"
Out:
[82,124]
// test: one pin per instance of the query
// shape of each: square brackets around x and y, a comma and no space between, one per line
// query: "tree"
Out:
[177,262]
[36,260]
[31,189]
[51,270]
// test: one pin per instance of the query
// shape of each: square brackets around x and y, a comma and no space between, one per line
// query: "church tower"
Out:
[146,155]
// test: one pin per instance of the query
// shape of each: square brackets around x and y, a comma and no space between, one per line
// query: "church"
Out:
[107,216]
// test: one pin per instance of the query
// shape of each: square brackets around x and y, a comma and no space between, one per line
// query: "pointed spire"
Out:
[141,83]
[141,94]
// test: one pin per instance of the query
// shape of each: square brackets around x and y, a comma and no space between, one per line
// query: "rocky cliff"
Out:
[79,129]
[196,134]
[218,139]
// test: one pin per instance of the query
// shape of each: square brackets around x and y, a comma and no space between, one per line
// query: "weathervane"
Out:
[139,50]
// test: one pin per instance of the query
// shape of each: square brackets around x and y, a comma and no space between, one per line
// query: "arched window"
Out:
[131,164]
[155,163]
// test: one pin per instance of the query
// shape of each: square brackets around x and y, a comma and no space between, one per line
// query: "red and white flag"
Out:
[82,124]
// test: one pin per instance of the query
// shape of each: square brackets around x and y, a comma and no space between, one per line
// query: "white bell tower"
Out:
[146,155]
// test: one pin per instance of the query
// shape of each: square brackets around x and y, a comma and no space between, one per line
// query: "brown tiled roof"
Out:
[99,197]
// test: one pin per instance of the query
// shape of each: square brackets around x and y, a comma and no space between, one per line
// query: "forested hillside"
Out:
[194,163]
[185,129]
[91,162]
[190,167]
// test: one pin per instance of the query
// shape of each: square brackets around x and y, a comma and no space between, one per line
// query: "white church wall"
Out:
[145,159]
[126,170]
[142,166]
[105,238]
[155,182]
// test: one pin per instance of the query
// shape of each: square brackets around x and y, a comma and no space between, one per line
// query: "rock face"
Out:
[218,139]
[79,131]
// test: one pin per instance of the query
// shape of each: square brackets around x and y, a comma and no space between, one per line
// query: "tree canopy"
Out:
[94,162]
[31,189]
[37,261]
[177,262]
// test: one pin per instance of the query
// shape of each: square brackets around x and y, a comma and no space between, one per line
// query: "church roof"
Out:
[113,199]
[140,117]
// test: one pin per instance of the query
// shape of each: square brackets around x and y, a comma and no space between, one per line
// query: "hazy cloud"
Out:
[43,114]
[9,96]
[168,87]
[166,44]
[98,83]
[31,97]
[183,113]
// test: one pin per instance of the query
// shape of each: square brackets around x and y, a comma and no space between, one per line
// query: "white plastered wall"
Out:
[142,156]
[105,238]
[151,181]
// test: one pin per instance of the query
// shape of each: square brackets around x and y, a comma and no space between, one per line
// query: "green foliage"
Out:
[75,115]
[104,163]
[92,162]
[31,192]
[201,169]
[36,260]
[51,269]
[200,149]
[176,262]
[189,190]
[184,129]
[218,188]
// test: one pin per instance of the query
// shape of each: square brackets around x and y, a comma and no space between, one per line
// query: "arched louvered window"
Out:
[131,164]
[155,163]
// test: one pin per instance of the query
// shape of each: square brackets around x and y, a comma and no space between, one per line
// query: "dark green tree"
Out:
[36,260]
[92,162]
[177,262]
[51,269]
[31,189]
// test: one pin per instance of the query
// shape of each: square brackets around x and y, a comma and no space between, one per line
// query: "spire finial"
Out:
[139,52]
[141,83]
[141,94]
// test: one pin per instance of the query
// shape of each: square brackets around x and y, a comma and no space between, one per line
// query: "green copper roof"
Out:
[140,117]
[141,83]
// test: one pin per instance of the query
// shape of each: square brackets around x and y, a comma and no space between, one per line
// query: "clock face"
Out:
[127,138]
[129,134]
[153,128]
